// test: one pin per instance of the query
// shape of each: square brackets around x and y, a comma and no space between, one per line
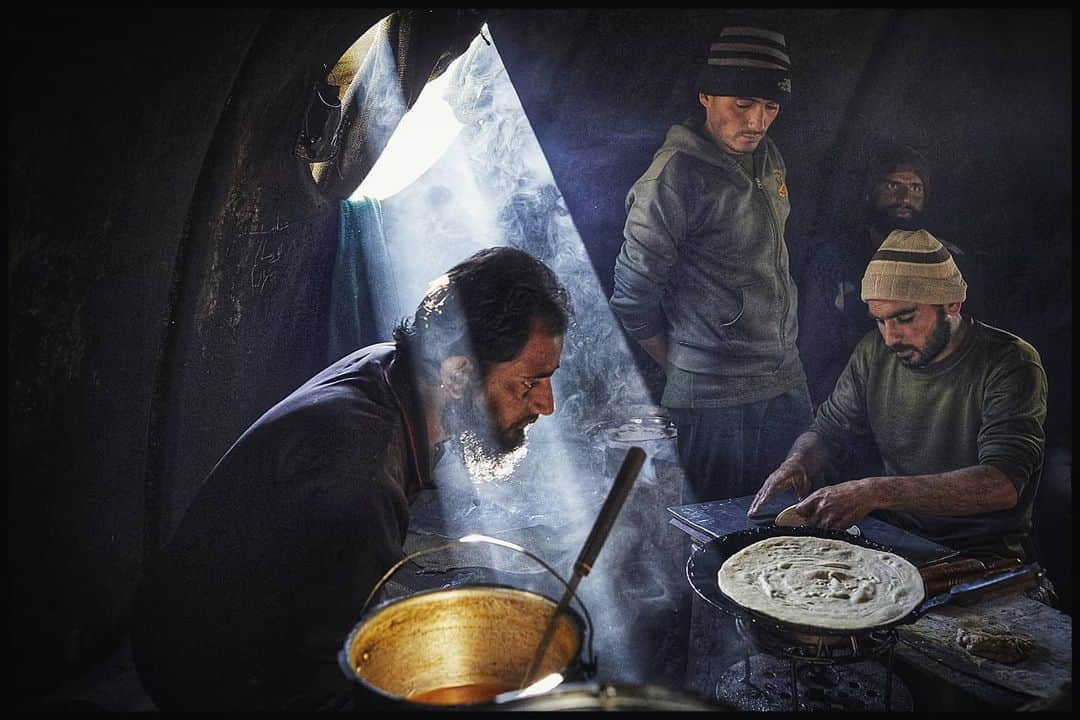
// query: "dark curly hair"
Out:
[484,306]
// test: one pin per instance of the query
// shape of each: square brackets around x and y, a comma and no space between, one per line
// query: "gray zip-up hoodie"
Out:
[704,261]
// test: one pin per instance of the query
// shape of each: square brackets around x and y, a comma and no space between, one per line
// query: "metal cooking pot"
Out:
[462,646]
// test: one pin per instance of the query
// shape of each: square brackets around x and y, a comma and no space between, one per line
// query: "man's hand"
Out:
[789,476]
[839,506]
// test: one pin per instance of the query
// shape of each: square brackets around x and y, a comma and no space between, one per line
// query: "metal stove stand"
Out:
[820,672]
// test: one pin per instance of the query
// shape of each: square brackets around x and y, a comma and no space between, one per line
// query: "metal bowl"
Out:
[636,429]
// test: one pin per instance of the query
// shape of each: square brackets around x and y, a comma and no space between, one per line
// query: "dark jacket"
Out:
[704,261]
[248,604]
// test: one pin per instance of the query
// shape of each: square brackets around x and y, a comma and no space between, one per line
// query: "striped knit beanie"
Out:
[913,266]
[747,62]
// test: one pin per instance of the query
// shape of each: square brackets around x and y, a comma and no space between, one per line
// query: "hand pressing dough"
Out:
[788,517]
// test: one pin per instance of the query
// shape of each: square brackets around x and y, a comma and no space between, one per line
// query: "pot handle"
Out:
[589,667]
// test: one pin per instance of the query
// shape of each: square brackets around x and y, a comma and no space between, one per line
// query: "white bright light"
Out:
[422,136]
[543,685]
[477,537]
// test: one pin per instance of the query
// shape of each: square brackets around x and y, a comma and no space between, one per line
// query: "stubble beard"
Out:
[937,342]
[885,223]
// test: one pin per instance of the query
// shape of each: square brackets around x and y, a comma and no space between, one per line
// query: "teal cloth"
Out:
[364,305]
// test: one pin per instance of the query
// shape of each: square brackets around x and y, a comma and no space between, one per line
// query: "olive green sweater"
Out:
[984,404]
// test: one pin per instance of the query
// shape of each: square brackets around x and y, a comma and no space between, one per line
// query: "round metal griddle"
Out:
[705,561]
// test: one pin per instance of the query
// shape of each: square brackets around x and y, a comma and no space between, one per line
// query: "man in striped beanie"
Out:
[955,406]
[702,282]
[745,80]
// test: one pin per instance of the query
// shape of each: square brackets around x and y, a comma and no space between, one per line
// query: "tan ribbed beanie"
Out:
[913,266]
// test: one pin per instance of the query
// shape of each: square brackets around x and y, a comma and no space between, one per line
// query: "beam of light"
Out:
[421,138]
[491,185]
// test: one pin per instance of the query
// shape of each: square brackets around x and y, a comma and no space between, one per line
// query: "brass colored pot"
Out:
[461,645]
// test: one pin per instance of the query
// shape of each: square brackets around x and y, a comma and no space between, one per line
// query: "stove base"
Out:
[849,687]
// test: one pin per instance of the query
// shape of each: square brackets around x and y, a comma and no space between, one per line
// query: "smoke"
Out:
[491,185]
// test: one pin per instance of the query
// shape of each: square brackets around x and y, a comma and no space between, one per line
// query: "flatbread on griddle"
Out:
[822,583]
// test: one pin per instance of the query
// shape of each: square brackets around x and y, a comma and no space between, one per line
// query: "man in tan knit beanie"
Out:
[914,291]
[955,406]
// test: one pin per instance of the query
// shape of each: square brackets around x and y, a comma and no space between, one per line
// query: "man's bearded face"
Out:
[496,410]
[897,202]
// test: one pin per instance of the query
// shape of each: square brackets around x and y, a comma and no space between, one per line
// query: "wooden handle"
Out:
[941,577]
[951,569]
[1006,564]
[635,457]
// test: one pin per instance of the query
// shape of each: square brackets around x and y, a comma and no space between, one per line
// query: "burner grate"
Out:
[799,671]
[770,683]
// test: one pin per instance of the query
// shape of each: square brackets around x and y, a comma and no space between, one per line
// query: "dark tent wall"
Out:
[111,118]
[253,286]
[168,256]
